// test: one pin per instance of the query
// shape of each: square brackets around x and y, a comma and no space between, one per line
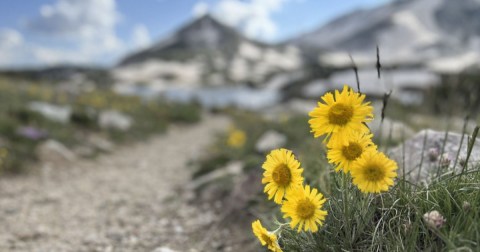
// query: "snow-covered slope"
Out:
[407,32]
[207,52]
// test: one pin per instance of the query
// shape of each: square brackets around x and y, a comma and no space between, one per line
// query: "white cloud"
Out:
[200,9]
[10,42]
[253,17]
[75,17]
[141,36]
[70,31]
[10,38]
[16,52]
[91,23]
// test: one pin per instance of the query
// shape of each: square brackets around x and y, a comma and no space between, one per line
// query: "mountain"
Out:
[207,52]
[441,34]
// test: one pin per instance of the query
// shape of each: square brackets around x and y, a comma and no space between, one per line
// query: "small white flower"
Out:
[434,219]
[445,160]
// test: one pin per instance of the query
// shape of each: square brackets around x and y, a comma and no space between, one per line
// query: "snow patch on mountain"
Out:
[160,71]
[250,51]
[455,64]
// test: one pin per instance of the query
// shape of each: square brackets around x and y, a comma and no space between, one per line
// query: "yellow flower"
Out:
[236,138]
[266,238]
[3,155]
[373,172]
[282,174]
[304,208]
[343,155]
[342,114]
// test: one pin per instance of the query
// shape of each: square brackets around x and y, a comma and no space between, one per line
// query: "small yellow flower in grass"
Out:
[3,155]
[236,138]
[344,154]
[342,113]
[282,174]
[304,207]
[3,152]
[373,172]
[266,238]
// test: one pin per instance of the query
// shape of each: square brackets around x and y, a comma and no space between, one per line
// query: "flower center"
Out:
[374,173]
[352,151]
[340,114]
[267,239]
[305,209]
[281,175]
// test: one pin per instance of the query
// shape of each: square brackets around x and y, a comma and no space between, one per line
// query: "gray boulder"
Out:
[424,158]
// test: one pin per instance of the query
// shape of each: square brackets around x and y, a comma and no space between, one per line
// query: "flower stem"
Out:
[345,206]
[280,227]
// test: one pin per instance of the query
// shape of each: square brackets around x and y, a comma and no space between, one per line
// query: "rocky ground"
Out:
[133,199]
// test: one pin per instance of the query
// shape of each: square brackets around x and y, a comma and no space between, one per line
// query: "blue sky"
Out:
[49,32]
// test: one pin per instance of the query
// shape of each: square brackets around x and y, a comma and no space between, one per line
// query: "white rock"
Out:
[163,249]
[52,112]
[270,140]
[114,120]
[419,167]
[54,152]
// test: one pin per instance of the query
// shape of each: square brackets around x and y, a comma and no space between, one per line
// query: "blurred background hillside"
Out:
[81,78]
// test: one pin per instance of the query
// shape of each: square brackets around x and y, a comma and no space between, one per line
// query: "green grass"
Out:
[293,127]
[149,117]
[393,221]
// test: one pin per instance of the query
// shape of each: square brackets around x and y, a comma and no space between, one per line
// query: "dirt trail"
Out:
[129,200]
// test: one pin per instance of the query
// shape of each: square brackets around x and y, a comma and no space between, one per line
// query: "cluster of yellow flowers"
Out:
[342,119]
[3,155]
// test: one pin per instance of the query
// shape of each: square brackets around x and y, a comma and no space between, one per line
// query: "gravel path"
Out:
[129,200]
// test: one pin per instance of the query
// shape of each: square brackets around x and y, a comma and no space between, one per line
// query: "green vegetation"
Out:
[394,221]
[294,127]
[22,130]
[391,221]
